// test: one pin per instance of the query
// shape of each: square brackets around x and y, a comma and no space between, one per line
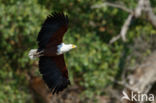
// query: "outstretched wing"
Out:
[54,72]
[52,30]
[53,69]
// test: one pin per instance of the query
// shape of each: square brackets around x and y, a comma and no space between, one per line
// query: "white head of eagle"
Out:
[50,52]
[62,48]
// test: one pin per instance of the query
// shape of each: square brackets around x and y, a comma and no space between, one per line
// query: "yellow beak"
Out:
[74,46]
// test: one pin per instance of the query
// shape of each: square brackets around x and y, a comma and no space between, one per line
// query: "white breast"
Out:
[62,48]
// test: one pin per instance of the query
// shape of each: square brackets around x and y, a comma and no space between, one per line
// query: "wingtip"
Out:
[58,15]
[60,88]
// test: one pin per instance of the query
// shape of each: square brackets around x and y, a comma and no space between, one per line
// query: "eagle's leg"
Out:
[40,53]
[34,53]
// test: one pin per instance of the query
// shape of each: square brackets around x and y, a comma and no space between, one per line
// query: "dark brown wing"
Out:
[59,60]
[53,68]
[57,37]
[52,30]
[54,72]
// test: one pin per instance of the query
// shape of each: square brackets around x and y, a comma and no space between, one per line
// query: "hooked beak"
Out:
[74,46]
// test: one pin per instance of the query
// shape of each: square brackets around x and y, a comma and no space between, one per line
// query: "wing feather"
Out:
[52,74]
[53,29]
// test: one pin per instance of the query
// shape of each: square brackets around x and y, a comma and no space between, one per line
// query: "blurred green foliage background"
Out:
[91,65]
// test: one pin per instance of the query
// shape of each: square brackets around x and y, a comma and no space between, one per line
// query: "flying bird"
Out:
[50,52]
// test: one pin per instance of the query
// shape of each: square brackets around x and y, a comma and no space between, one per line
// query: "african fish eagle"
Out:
[50,52]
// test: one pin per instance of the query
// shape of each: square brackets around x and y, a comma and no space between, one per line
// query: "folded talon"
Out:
[38,54]
[41,53]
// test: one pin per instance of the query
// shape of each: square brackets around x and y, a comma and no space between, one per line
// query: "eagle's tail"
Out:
[33,53]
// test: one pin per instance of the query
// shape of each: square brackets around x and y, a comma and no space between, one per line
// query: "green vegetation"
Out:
[92,64]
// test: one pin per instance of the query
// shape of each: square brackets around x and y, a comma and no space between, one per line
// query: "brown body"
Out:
[51,51]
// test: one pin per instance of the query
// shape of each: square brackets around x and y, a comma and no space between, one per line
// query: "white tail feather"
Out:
[32,53]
